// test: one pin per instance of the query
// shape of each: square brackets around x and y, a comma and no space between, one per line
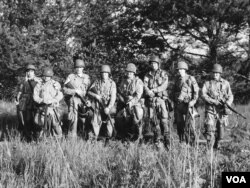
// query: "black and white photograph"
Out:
[124,93]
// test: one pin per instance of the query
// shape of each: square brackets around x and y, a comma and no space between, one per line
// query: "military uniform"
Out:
[155,103]
[48,95]
[74,102]
[186,90]
[130,116]
[106,89]
[216,116]
[26,106]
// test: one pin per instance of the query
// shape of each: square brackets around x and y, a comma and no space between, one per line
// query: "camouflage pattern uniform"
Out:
[74,102]
[106,89]
[130,116]
[26,106]
[185,90]
[216,116]
[154,102]
[48,95]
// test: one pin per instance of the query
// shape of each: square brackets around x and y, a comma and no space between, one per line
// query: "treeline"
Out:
[116,32]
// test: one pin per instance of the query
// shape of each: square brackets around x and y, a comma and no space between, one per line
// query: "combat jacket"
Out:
[158,81]
[106,89]
[186,89]
[131,90]
[25,93]
[77,82]
[48,92]
[216,90]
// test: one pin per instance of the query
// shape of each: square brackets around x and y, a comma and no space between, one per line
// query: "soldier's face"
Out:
[130,75]
[182,72]
[31,74]
[216,76]
[154,66]
[79,70]
[105,75]
[46,78]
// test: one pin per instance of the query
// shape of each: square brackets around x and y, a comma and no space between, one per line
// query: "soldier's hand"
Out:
[106,110]
[216,102]
[151,93]
[191,104]
[88,103]
[17,102]
[78,92]
[99,98]
[154,90]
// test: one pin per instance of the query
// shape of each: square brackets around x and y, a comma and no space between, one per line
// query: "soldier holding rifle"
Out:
[216,92]
[186,93]
[130,108]
[155,86]
[75,88]
[25,103]
[47,94]
[103,91]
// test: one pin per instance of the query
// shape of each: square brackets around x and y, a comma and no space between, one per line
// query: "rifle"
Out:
[84,101]
[230,108]
[125,104]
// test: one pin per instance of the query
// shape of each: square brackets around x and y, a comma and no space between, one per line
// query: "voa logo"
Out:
[236,179]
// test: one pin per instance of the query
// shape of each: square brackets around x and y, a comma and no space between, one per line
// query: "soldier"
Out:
[155,87]
[103,91]
[130,113]
[215,92]
[25,103]
[75,89]
[47,94]
[186,93]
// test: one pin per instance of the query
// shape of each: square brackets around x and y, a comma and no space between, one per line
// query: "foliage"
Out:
[56,32]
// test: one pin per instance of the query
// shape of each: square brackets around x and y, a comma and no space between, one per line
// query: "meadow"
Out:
[77,163]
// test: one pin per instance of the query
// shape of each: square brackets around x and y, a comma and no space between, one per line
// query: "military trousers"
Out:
[185,123]
[102,125]
[47,121]
[215,124]
[157,119]
[77,122]
[129,123]
[26,123]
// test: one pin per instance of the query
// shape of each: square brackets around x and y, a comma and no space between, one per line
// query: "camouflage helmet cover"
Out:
[217,68]
[131,68]
[30,67]
[105,68]
[48,72]
[182,65]
[79,63]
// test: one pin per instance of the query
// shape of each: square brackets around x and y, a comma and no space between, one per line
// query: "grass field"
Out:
[76,163]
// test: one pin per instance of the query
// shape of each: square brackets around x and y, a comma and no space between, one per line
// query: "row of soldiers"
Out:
[124,111]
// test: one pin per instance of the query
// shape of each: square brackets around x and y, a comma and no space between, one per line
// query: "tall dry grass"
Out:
[76,163]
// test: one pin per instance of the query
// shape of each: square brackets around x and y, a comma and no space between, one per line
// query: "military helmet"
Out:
[105,68]
[48,72]
[30,67]
[217,68]
[182,65]
[79,63]
[155,59]
[131,68]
